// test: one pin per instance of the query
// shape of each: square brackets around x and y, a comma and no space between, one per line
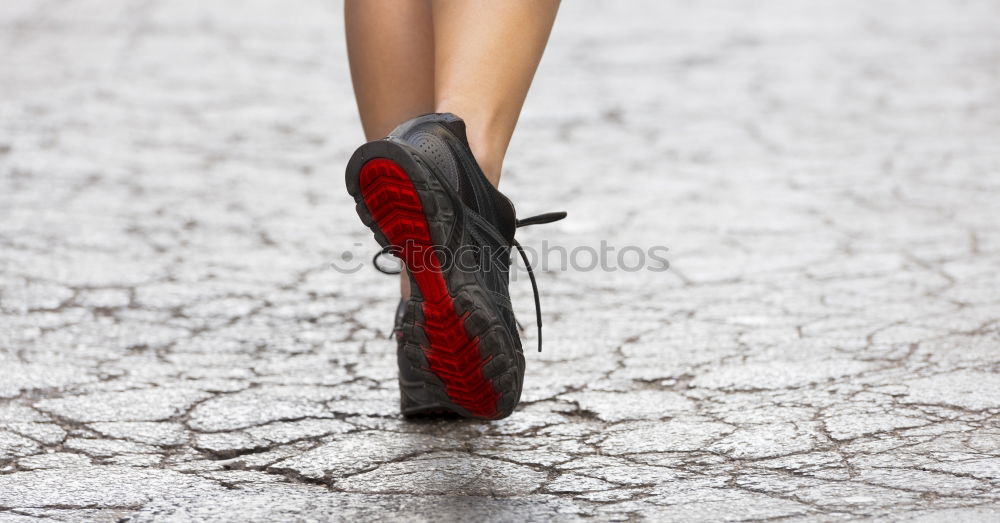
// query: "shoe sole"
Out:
[456,344]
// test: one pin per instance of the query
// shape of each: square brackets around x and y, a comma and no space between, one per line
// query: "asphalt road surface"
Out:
[176,341]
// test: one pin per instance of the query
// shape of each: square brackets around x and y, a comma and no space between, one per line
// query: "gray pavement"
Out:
[826,344]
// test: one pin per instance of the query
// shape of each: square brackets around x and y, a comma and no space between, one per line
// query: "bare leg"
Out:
[485,55]
[390,45]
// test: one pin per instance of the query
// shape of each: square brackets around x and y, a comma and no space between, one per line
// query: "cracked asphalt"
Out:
[826,344]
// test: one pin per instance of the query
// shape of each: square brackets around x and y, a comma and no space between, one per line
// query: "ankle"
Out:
[488,153]
[404,284]
[486,135]
[490,165]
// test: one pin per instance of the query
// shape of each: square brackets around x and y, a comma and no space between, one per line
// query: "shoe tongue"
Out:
[506,220]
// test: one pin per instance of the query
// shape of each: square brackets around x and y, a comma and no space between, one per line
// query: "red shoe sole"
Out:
[452,355]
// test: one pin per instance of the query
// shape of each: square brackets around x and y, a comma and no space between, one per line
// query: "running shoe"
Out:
[424,196]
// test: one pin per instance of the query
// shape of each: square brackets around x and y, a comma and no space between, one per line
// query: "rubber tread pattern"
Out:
[456,354]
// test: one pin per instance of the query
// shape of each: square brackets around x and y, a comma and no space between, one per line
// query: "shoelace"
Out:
[540,219]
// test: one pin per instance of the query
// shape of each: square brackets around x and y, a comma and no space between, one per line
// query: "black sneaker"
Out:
[424,196]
